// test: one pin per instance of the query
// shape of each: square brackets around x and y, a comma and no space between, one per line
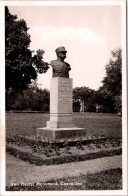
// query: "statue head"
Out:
[61,52]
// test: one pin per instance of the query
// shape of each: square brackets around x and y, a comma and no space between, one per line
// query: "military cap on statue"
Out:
[60,49]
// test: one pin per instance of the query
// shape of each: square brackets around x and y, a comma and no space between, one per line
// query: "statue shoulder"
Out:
[69,67]
[67,64]
[53,62]
[56,65]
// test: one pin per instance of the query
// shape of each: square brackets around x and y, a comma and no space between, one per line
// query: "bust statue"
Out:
[60,67]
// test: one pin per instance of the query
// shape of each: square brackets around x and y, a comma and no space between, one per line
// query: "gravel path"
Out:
[18,171]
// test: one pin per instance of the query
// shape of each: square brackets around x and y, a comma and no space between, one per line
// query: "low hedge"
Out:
[25,155]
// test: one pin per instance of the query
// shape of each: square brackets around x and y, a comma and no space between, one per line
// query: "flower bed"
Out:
[64,156]
[47,151]
[22,140]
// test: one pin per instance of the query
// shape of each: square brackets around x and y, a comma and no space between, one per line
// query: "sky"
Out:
[89,33]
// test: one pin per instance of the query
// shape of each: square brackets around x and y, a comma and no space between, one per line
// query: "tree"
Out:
[112,82]
[21,66]
[83,96]
[103,101]
[31,99]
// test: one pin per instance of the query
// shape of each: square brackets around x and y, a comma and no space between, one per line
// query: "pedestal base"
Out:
[60,124]
[57,124]
[60,133]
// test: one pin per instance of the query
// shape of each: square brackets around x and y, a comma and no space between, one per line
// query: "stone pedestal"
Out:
[60,124]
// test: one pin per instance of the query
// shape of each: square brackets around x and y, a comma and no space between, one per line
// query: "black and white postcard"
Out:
[63,97]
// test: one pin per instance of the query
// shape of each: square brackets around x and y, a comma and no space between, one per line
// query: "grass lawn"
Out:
[108,125]
[105,180]
[95,124]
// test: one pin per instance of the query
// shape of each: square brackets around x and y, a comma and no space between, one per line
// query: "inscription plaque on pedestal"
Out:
[60,103]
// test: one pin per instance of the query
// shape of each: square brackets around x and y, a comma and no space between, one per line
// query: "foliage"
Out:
[37,143]
[31,99]
[22,146]
[104,102]
[21,67]
[39,64]
[35,158]
[112,82]
[118,103]
[83,94]
[108,97]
